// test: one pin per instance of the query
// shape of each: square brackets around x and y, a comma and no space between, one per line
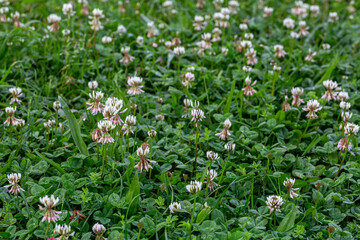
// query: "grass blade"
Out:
[74,127]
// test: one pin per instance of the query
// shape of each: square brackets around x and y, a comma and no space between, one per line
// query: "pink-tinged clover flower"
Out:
[248,89]
[312,107]
[274,203]
[211,175]
[106,126]
[144,164]
[224,134]
[16,93]
[127,58]
[135,87]
[331,88]
[279,51]
[49,203]
[344,144]
[11,120]
[99,231]
[289,183]
[14,179]
[297,92]
[95,106]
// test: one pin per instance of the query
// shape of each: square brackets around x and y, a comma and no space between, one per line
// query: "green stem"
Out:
[307,126]
[316,203]
[223,171]
[47,229]
[192,216]
[207,180]
[347,147]
[103,163]
[196,143]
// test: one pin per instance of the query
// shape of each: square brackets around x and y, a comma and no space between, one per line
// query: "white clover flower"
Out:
[179,50]
[274,203]
[106,39]
[174,207]
[194,187]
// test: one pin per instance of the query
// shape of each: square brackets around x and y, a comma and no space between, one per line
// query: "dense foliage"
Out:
[179,119]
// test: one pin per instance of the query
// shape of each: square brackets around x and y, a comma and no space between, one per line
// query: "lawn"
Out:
[193,119]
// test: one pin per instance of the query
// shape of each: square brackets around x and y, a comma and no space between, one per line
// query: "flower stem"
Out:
[207,181]
[223,171]
[316,203]
[196,144]
[47,229]
[347,146]
[192,216]
[103,163]
[307,126]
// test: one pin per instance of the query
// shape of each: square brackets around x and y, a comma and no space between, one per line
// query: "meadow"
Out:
[192,119]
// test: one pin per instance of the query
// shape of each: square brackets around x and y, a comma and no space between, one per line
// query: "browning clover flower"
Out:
[346,117]
[14,179]
[310,56]
[49,203]
[274,203]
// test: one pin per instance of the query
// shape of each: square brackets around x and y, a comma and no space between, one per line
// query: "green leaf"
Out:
[289,220]
[74,127]
[115,235]
[86,236]
[132,197]
[203,214]
[329,70]
[51,162]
